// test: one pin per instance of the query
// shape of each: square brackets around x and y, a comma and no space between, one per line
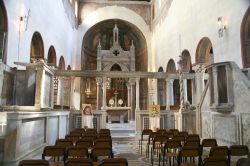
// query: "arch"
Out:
[103,14]
[68,67]
[116,67]
[186,61]
[160,69]
[51,61]
[109,67]
[204,52]
[61,65]
[171,66]
[37,47]
[245,39]
[3,32]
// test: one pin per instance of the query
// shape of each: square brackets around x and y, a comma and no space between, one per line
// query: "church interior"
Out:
[124,82]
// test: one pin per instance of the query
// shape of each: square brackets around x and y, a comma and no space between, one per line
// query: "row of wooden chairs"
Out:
[77,162]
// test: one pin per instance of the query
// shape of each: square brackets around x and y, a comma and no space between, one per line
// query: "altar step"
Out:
[122,130]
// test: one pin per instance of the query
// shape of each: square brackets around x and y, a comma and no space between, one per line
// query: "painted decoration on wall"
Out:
[154,110]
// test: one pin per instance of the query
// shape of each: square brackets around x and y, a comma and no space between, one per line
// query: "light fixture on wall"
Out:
[222,27]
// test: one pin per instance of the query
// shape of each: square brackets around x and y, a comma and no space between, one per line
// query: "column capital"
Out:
[98,80]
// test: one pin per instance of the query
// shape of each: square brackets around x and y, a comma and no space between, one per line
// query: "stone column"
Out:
[104,104]
[170,92]
[72,93]
[137,105]
[129,100]
[60,92]
[98,90]
[185,90]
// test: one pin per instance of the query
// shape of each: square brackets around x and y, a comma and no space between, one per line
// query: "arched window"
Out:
[61,65]
[52,57]
[245,39]
[69,67]
[204,52]
[160,69]
[3,32]
[171,66]
[116,67]
[37,48]
[186,61]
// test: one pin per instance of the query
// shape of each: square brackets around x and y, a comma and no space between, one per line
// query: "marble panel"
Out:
[63,126]
[225,129]
[189,122]
[245,126]
[206,124]
[52,129]
[32,135]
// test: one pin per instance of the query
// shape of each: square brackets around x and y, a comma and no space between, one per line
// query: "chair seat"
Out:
[172,154]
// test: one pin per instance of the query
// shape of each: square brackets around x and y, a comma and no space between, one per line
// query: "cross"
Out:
[116,52]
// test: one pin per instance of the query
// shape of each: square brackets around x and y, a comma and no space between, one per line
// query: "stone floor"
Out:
[129,149]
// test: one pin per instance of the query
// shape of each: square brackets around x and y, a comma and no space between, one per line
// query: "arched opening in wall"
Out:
[102,33]
[161,91]
[61,65]
[3,32]
[171,66]
[51,61]
[186,61]
[116,67]
[245,39]
[204,52]
[37,47]
[68,67]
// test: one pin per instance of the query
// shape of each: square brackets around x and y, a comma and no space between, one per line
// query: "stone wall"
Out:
[187,22]
[27,133]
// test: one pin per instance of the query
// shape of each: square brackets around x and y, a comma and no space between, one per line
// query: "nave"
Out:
[163,147]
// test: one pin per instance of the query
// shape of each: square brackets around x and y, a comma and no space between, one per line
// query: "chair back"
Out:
[169,134]
[243,162]
[179,138]
[191,152]
[172,144]
[104,131]
[64,142]
[193,137]
[79,162]
[183,133]
[175,131]
[161,131]
[54,151]
[101,152]
[77,152]
[91,130]
[114,162]
[73,138]
[210,142]
[215,161]
[33,163]
[84,143]
[219,151]
[103,144]
[239,150]
[192,144]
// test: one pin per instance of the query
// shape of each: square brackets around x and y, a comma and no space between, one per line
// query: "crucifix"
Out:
[116,52]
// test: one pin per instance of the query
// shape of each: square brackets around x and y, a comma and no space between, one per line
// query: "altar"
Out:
[118,114]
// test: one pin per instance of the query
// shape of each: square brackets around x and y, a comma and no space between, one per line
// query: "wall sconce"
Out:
[222,27]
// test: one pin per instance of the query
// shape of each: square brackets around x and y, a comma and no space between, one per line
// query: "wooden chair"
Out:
[84,143]
[105,137]
[64,142]
[158,146]
[54,152]
[76,133]
[103,144]
[175,131]
[150,141]
[183,133]
[73,138]
[215,161]
[170,135]
[77,152]
[220,151]
[191,153]
[114,162]
[33,163]
[238,151]
[193,137]
[101,152]
[207,144]
[243,162]
[161,131]
[91,130]
[145,132]
[79,162]
[192,144]
[171,150]
[104,131]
